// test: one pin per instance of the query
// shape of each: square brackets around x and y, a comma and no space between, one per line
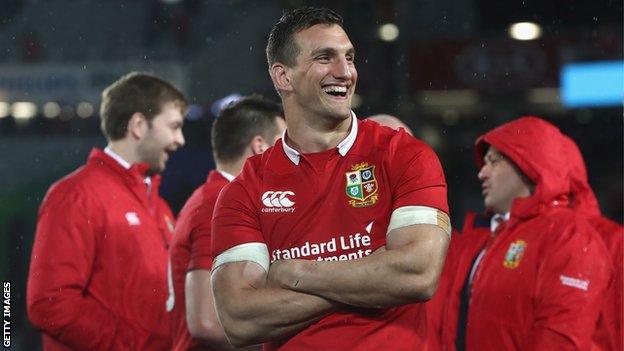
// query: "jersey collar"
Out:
[345,145]
[226,175]
[141,167]
[115,156]
[497,219]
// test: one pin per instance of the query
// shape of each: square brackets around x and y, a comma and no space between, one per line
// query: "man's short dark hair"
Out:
[239,122]
[281,46]
[135,92]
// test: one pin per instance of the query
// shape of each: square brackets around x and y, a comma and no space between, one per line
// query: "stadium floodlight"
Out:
[525,31]
[5,109]
[84,110]
[388,32]
[51,109]
[23,110]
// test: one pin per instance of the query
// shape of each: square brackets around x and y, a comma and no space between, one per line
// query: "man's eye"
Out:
[492,160]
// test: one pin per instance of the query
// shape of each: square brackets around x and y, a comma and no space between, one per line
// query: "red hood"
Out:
[581,195]
[534,145]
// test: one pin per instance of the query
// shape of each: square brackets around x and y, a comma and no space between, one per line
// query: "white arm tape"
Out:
[409,215]
[254,252]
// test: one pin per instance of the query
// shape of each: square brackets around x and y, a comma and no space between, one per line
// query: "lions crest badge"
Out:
[514,254]
[362,185]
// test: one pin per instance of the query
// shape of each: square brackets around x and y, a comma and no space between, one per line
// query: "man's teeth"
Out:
[335,89]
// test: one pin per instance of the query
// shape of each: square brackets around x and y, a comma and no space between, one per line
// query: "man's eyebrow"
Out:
[327,51]
[330,51]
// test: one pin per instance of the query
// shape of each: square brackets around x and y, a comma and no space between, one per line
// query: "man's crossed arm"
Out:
[255,306]
[252,312]
[407,271]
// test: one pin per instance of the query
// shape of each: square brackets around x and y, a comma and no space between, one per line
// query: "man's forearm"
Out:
[393,277]
[256,314]
[268,314]
[367,282]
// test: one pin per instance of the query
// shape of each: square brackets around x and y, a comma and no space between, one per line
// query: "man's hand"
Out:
[252,312]
[281,272]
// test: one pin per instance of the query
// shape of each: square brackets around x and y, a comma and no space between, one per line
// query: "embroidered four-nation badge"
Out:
[362,185]
[514,254]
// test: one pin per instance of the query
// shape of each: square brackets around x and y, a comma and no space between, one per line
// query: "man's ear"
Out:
[258,145]
[280,74]
[137,126]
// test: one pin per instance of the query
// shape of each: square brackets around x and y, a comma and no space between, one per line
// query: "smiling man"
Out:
[98,269]
[328,240]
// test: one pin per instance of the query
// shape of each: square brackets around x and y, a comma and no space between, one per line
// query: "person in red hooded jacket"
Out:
[98,270]
[608,335]
[531,275]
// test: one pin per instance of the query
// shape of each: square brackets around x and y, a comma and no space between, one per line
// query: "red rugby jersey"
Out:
[190,249]
[334,205]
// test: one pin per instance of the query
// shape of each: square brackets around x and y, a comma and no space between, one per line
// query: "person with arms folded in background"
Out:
[532,274]
[328,240]
[243,129]
[608,334]
[98,272]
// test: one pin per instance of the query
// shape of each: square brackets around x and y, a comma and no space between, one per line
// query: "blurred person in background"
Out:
[353,216]
[98,272]
[608,335]
[390,121]
[532,273]
[245,128]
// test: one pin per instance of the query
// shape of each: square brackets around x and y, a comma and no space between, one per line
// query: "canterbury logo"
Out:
[277,199]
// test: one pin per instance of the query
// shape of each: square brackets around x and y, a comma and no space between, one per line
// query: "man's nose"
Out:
[180,139]
[483,172]
[342,69]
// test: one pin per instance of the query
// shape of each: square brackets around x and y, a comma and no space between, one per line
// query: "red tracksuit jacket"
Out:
[541,282]
[98,272]
[608,335]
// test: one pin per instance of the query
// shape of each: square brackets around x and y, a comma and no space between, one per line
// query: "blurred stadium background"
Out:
[450,69]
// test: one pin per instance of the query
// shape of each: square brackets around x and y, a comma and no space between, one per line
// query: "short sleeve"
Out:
[415,174]
[201,238]
[235,220]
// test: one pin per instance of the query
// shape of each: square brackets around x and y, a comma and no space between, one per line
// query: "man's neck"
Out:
[309,133]
[117,158]
[123,150]
[234,168]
